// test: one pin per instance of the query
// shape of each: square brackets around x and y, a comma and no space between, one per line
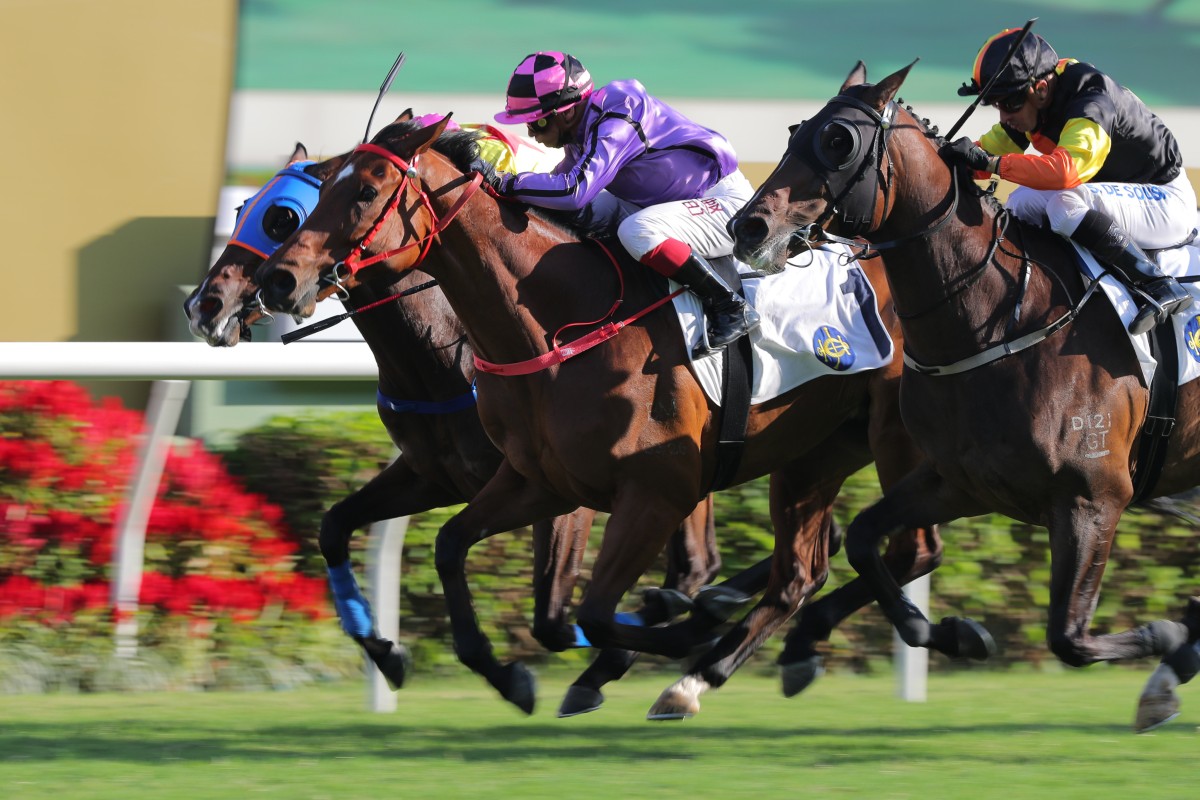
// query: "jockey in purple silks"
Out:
[677,182]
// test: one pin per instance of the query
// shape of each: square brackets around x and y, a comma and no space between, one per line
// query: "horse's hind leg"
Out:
[508,501]
[397,491]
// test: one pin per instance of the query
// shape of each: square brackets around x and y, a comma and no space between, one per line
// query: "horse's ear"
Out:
[421,140]
[882,93]
[405,116]
[326,169]
[299,154]
[857,76]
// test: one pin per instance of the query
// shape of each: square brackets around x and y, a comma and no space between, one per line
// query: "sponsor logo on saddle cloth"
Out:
[818,319]
[1181,263]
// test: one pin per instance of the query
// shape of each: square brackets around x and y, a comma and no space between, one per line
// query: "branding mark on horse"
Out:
[1093,429]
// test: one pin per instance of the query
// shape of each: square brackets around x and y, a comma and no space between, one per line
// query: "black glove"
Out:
[500,181]
[966,152]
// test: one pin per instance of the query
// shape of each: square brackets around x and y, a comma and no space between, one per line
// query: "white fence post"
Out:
[129,532]
[912,663]
[385,544]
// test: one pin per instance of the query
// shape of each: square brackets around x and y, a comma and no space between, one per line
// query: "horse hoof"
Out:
[517,686]
[974,641]
[579,700]
[672,602]
[673,707]
[799,675]
[720,601]
[680,700]
[391,658]
[1159,704]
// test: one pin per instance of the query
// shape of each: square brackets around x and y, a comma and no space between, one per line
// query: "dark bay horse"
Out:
[1027,396]
[623,427]
[425,374]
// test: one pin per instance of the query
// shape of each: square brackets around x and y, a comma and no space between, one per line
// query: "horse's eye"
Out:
[280,222]
[367,194]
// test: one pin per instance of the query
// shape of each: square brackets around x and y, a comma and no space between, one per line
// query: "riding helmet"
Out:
[542,84]
[1033,59]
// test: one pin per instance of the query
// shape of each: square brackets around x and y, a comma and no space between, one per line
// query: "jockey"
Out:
[682,178]
[1111,176]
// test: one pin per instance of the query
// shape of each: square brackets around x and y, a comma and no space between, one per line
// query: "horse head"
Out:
[377,213]
[840,175]
[225,304]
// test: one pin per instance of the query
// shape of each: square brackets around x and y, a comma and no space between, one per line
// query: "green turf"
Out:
[1062,734]
[769,49]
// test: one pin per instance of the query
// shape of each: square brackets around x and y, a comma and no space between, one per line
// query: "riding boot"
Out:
[729,316]
[1157,295]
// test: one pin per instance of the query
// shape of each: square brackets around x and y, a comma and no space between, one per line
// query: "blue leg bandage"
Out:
[353,610]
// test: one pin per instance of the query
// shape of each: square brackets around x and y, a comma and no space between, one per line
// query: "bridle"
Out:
[856,177]
[409,174]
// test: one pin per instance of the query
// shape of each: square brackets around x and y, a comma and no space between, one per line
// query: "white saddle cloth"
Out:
[1181,262]
[817,320]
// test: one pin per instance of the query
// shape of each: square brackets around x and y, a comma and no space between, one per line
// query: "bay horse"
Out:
[624,427]
[426,405]
[1027,398]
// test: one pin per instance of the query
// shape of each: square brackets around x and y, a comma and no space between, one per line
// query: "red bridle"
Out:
[354,262]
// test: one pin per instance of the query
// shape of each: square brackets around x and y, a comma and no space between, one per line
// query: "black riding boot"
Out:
[729,316]
[1157,295]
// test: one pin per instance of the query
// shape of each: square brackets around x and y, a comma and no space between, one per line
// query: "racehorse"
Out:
[1028,399]
[624,427]
[426,405]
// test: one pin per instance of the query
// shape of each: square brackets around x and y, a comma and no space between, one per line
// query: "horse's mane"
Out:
[461,147]
[963,176]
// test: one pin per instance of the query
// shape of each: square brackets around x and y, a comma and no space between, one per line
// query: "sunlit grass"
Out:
[1059,734]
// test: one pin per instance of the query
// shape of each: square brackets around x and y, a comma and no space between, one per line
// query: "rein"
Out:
[560,353]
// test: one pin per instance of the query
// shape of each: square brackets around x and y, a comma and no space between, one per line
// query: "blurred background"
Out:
[133,128]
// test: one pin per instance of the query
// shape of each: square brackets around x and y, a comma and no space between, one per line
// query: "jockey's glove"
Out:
[499,181]
[966,152]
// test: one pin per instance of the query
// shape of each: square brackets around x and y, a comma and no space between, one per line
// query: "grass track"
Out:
[981,735]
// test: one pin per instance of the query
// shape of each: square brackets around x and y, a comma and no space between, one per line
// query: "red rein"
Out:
[560,353]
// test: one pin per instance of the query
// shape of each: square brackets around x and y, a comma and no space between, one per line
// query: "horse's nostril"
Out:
[749,230]
[279,283]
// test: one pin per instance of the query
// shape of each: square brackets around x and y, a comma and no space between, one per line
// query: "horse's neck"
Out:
[419,345]
[514,288]
[946,294]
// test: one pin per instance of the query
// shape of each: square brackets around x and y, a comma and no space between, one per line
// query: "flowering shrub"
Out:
[218,560]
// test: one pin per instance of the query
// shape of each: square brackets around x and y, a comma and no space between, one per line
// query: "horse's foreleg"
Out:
[920,500]
[692,561]
[910,554]
[637,531]
[801,507]
[397,491]
[1081,536]
[558,547]
[508,501]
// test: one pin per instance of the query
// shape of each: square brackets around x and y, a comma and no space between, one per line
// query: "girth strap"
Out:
[1160,416]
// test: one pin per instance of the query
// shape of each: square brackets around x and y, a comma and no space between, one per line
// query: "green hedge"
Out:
[995,570]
